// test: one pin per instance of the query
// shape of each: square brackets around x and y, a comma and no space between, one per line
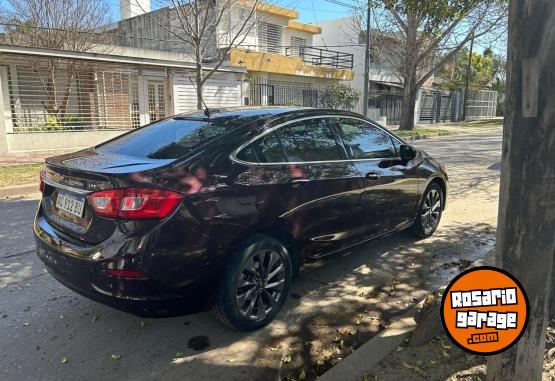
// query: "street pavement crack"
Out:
[17,254]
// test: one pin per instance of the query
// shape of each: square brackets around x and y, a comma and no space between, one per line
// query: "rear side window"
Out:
[365,141]
[305,141]
[168,139]
[310,140]
[267,149]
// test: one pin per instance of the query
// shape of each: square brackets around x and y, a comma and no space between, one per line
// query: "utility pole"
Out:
[468,72]
[366,64]
[525,242]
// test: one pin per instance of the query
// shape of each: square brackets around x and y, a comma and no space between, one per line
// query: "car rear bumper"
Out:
[74,267]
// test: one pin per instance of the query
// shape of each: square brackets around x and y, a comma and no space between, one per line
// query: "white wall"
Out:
[230,27]
[288,33]
[238,14]
[132,8]
[58,141]
[220,92]
[344,31]
[5,112]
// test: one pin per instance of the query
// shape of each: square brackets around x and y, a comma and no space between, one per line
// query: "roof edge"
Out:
[104,57]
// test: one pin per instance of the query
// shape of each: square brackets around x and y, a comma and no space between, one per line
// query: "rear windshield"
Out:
[169,139]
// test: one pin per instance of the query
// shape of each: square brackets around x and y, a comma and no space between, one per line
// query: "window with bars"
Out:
[74,96]
[297,46]
[270,37]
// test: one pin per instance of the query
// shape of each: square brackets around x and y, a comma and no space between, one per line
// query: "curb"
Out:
[375,350]
[420,137]
[19,190]
[380,346]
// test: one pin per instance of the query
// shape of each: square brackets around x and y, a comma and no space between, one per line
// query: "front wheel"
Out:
[429,212]
[255,284]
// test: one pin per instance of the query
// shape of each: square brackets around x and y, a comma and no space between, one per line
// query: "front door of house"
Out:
[156,92]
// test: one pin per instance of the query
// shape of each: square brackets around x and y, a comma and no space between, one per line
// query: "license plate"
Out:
[70,204]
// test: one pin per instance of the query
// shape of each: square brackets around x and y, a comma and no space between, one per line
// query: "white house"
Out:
[95,96]
[347,32]
[56,99]
[284,65]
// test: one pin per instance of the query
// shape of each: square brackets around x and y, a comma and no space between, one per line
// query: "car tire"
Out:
[255,283]
[429,212]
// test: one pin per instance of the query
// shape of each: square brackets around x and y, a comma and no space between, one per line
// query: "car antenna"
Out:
[206,109]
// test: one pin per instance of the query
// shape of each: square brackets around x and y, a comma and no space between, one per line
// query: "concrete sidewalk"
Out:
[379,347]
[27,158]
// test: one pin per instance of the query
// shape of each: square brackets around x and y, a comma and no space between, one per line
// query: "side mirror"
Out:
[407,152]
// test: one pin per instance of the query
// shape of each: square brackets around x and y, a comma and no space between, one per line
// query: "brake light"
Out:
[42,173]
[134,203]
[131,274]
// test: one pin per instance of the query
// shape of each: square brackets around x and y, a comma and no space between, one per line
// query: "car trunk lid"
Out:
[70,178]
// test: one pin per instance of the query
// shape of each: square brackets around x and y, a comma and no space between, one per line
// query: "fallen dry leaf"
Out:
[286,358]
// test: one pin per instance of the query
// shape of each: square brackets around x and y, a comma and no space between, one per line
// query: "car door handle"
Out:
[372,176]
[299,182]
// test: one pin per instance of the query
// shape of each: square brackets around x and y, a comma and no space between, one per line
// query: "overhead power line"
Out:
[341,3]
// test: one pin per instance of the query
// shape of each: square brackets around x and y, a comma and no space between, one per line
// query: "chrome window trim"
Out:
[233,155]
[65,187]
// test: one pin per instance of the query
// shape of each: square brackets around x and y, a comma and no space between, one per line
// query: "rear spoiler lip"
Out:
[56,184]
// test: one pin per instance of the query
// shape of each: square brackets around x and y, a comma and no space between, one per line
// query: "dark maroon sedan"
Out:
[197,211]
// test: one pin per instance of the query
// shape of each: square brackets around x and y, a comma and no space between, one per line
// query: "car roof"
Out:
[265,113]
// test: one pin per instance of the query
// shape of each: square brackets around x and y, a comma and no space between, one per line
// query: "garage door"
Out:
[217,93]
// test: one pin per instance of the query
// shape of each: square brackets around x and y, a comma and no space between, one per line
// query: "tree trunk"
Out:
[526,222]
[199,84]
[70,75]
[409,104]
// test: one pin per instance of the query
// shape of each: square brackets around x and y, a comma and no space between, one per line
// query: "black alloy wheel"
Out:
[255,284]
[429,213]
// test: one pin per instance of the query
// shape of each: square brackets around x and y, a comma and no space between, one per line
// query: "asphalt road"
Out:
[49,332]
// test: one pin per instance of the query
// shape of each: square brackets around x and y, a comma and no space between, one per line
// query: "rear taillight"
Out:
[134,203]
[130,274]
[42,173]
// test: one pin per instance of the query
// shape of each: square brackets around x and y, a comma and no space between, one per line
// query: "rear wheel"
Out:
[429,213]
[255,284]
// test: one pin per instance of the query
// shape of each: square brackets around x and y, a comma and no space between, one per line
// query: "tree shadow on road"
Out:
[336,304]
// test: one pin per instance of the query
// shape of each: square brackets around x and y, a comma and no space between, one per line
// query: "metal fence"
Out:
[481,104]
[436,106]
[57,95]
[283,93]
[386,104]
[440,106]
[322,57]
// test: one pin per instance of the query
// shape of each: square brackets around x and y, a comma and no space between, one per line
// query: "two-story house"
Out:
[385,86]
[347,31]
[283,65]
[57,99]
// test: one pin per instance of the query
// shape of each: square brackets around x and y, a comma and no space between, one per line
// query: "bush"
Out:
[340,96]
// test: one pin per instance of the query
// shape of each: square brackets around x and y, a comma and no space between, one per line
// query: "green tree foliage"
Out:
[416,38]
[436,13]
[482,71]
[340,96]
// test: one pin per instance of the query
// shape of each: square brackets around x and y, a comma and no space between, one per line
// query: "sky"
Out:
[311,11]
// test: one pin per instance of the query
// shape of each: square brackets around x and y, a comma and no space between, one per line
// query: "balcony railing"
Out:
[321,57]
[313,56]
